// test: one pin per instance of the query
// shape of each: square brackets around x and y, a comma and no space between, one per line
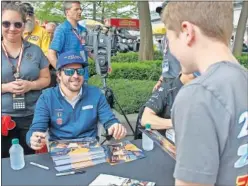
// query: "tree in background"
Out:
[113,9]
[146,42]
[49,11]
[94,10]
[238,42]
[97,10]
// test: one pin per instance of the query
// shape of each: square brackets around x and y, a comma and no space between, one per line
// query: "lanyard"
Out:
[82,41]
[16,72]
[79,38]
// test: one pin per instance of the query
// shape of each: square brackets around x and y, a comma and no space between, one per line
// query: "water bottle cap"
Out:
[148,126]
[15,141]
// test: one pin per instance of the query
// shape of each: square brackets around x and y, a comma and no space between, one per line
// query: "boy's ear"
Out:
[189,32]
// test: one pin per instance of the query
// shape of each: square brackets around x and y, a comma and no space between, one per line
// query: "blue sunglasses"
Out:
[71,71]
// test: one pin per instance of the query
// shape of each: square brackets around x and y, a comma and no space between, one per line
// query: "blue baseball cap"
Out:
[70,57]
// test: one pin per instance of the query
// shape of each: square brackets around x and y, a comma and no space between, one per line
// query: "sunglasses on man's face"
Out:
[6,24]
[71,71]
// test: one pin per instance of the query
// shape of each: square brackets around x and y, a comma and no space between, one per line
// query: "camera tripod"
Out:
[111,99]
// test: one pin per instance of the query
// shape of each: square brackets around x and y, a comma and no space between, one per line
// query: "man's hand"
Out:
[109,70]
[118,131]
[91,55]
[158,84]
[38,140]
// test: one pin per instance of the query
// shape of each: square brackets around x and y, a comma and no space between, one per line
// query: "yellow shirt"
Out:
[39,37]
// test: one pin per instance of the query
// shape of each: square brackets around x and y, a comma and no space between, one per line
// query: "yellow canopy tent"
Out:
[89,23]
[158,29]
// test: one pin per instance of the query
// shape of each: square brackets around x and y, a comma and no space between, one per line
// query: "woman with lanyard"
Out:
[24,74]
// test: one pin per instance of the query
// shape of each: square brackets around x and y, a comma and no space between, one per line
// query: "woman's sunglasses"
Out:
[30,14]
[71,71]
[6,24]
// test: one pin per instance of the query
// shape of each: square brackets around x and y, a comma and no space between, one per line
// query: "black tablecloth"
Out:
[157,167]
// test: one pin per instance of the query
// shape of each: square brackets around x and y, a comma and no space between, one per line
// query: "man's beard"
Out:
[70,87]
[29,26]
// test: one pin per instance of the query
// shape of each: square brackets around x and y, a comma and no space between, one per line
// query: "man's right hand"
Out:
[158,84]
[38,140]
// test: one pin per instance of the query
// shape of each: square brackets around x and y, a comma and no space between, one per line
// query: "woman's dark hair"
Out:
[8,5]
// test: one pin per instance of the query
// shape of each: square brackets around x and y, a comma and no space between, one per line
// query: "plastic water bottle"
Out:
[147,143]
[16,155]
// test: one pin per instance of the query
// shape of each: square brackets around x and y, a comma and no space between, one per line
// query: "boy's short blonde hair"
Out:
[215,19]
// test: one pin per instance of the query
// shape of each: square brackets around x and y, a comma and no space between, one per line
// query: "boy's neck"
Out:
[211,54]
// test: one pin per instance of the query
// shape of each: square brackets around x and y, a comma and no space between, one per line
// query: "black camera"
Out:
[106,42]
[101,43]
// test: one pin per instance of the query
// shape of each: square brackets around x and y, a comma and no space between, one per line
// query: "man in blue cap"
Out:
[72,109]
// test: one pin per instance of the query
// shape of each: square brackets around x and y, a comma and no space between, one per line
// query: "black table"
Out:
[157,167]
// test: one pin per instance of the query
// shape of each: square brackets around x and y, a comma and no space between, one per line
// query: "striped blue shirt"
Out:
[65,40]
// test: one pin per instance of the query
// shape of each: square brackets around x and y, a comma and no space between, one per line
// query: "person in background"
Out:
[50,28]
[34,33]
[170,65]
[157,111]
[210,113]
[160,47]
[68,36]
[24,73]
[244,47]
[231,43]
[57,105]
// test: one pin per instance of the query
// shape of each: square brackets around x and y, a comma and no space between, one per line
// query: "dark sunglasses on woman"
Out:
[6,24]
[71,71]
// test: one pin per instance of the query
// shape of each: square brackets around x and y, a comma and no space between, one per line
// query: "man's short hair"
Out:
[51,24]
[214,18]
[68,5]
